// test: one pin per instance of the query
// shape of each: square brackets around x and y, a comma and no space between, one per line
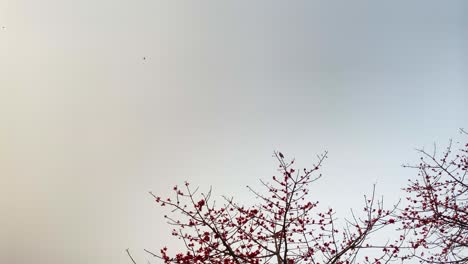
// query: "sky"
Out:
[102,101]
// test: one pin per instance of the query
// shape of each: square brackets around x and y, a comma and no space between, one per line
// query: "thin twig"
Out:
[128,252]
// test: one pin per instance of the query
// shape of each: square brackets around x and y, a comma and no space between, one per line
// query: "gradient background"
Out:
[88,126]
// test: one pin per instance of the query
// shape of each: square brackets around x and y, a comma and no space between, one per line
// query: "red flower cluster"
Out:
[283,228]
[437,214]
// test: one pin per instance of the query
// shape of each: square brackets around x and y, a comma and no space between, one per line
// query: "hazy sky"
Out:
[88,126]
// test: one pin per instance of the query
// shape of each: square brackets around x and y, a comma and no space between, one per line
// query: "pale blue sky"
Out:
[88,126]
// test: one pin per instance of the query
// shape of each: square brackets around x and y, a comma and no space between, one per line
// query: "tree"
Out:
[285,226]
[437,214]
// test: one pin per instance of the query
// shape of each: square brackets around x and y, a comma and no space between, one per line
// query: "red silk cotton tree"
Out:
[285,227]
[437,214]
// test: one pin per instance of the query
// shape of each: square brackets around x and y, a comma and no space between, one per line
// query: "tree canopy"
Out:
[286,226]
